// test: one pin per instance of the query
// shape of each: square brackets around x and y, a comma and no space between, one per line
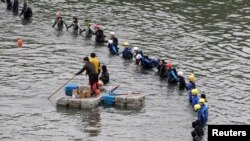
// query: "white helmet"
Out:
[112,33]
[180,73]
[110,41]
[135,48]
[138,56]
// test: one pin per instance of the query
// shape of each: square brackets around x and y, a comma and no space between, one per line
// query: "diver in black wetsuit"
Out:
[75,25]
[25,4]
[88,31]
[59,22]
[9,4]
[26,11]
[100,37]
[15,6]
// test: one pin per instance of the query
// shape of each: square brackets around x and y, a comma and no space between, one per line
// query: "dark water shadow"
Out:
[26,21]
[89,119]
[15,13]
[74,33]
[97,44]
[88,34]
[67,111]
[59,33]
[127,62]
[123,110]
[93,126]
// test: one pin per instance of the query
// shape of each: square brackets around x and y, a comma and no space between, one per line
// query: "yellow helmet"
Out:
[197,107]
[195,91]
[202,100]
[126,44]
[191,77]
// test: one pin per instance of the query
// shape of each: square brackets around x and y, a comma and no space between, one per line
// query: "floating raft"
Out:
[130,101]
[81,103]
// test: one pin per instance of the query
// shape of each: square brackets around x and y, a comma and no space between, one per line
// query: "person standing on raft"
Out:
[93,76]
[95,61]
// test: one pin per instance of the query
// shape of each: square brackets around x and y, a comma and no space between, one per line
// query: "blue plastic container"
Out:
[108,99]
[69,88]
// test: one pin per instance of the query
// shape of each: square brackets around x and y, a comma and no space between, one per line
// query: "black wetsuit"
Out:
[15,6]
[59,24]
[105,77]
[182,83]
[115,41]
[9,4]
[75,26]
[27,13]
[162,70]
[198,132]
[24,8]
[100,37]
[88,32]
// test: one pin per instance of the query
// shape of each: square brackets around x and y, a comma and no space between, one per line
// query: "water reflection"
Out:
[89,121]
[93,127]
[15,13]
[59,33]
[26,21]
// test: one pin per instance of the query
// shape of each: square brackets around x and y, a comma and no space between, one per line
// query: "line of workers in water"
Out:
[90,30]
[165,70]
[93,67]
[13,5]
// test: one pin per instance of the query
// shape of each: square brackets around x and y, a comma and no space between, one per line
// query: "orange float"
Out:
[20,43]
[97,92]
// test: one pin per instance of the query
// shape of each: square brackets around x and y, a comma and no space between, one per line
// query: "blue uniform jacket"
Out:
[190,86]
[203,115]
[195,100]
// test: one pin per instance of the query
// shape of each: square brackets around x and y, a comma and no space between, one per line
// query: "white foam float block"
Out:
[64,101]
[91,102]
[130,101]
[84,103]
[75,103]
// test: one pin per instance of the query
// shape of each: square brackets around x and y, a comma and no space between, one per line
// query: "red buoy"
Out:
[20,43]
